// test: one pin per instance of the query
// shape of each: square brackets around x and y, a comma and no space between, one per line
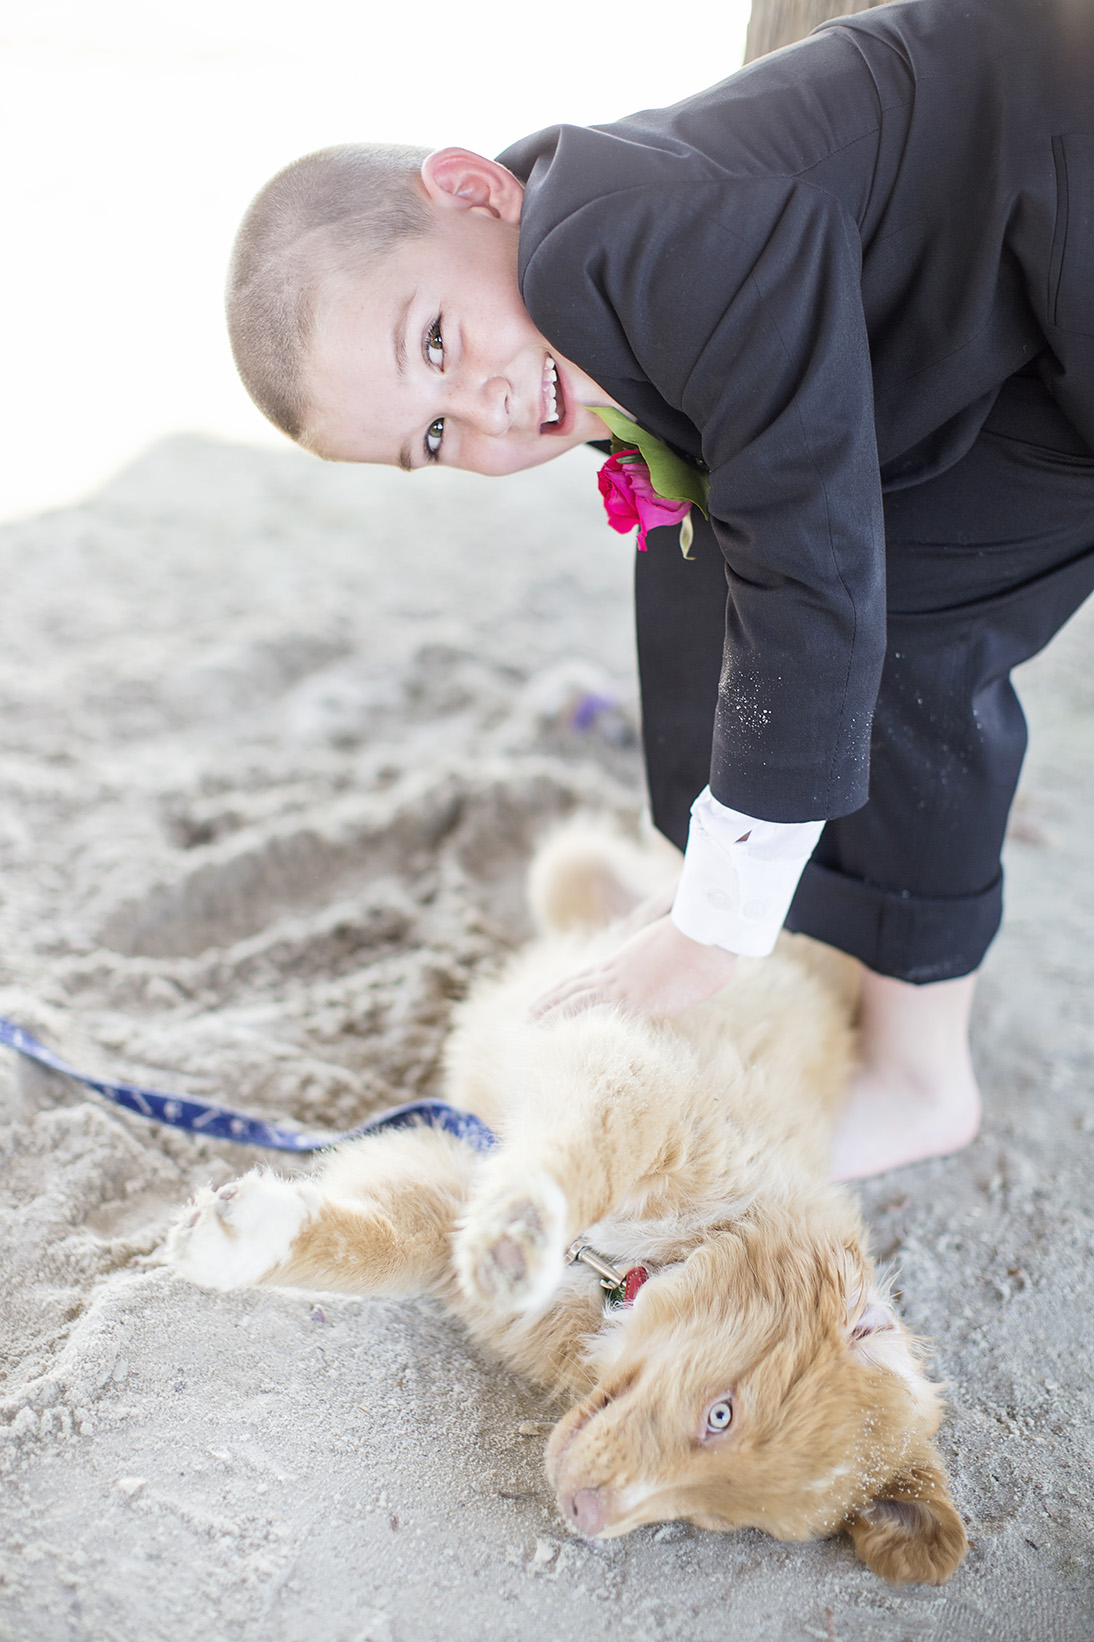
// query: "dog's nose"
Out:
[587,1510]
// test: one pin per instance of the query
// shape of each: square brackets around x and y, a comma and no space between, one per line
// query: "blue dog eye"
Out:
[720,1416]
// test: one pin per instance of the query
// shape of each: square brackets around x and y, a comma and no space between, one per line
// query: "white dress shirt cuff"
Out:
[739,876]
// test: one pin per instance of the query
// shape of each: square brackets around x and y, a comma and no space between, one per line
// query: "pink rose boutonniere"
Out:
[630,499]
[645,484]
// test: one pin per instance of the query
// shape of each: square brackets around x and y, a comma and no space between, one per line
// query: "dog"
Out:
[750,1371]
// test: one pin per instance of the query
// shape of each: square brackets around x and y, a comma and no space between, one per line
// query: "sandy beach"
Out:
[278,740]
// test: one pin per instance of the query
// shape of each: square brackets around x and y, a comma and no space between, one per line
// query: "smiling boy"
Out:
[434,358]
[416,352]
[855,282]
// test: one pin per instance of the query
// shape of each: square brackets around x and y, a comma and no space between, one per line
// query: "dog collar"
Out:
[620,1287]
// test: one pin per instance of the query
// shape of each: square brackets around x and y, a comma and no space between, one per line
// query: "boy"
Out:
[855,283]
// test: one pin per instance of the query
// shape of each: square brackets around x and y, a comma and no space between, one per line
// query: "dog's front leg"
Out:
[600,1122]
[376,1219]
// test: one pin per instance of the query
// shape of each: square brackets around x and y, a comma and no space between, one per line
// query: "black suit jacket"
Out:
[814,278]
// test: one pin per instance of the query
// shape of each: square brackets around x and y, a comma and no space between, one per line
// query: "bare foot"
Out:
[915,1094]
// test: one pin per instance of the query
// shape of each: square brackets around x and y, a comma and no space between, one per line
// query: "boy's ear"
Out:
[458,180]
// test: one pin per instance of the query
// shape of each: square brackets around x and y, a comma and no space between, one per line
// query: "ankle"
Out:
[918,1035]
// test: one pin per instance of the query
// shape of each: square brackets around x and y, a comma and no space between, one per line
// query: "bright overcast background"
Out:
[134,132]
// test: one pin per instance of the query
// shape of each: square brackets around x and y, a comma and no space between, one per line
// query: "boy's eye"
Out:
[434,343]
[433,436]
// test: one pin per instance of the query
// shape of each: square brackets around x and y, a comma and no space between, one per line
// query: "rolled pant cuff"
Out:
[909,937]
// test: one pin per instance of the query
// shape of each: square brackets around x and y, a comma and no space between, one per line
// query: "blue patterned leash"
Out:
[202,1117]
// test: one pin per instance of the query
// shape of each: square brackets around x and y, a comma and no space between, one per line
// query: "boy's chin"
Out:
[534,454]
[577,428]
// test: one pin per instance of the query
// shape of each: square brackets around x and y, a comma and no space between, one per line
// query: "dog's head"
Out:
[764,1383]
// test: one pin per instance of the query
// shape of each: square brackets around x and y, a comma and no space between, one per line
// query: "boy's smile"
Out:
[432,356]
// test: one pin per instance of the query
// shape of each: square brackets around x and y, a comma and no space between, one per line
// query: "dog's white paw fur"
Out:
[235,1236]
[510,1250]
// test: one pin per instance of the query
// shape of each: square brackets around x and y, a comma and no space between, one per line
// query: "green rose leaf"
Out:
[670,475]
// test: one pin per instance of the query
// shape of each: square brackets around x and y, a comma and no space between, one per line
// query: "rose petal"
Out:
[630,499]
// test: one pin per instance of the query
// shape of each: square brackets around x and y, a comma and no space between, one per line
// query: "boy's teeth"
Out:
[550,378]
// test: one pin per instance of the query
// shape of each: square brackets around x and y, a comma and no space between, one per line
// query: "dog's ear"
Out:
[911,1533]
[875,1334]
[876,1338]
[868,1314]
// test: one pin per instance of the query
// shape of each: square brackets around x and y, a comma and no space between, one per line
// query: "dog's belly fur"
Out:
[760,1378]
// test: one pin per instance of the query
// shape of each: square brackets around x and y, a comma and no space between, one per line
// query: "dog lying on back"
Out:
[759,1378]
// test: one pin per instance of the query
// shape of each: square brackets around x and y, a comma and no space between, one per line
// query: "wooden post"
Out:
[776,23]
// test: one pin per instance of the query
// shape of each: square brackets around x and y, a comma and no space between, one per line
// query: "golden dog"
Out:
[759,1378]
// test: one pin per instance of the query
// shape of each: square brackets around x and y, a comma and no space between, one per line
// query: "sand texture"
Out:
[278,738]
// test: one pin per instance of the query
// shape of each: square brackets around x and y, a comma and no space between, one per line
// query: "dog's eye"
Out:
[719,1417]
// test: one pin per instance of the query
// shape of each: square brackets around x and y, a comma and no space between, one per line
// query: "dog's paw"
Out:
[510,1250]
[236,1236]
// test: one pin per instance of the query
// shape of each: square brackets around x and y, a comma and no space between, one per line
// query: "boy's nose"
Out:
[487,406]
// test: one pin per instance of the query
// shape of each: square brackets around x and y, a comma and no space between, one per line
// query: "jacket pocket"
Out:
[1071,268]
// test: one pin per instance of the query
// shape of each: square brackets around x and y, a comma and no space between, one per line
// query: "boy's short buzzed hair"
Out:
[339,210]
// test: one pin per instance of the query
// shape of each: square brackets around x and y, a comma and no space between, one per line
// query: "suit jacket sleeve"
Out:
[740,302]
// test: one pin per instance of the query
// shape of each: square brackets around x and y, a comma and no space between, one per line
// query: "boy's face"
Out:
[433,357]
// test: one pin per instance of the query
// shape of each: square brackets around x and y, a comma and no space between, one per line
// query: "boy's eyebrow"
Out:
[399,340]
[399,334]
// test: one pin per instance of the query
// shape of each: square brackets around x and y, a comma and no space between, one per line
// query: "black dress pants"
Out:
[985,562]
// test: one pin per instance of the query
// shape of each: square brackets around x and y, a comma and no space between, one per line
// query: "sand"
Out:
[278,738]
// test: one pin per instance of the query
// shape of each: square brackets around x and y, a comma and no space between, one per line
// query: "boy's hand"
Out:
[658,972]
